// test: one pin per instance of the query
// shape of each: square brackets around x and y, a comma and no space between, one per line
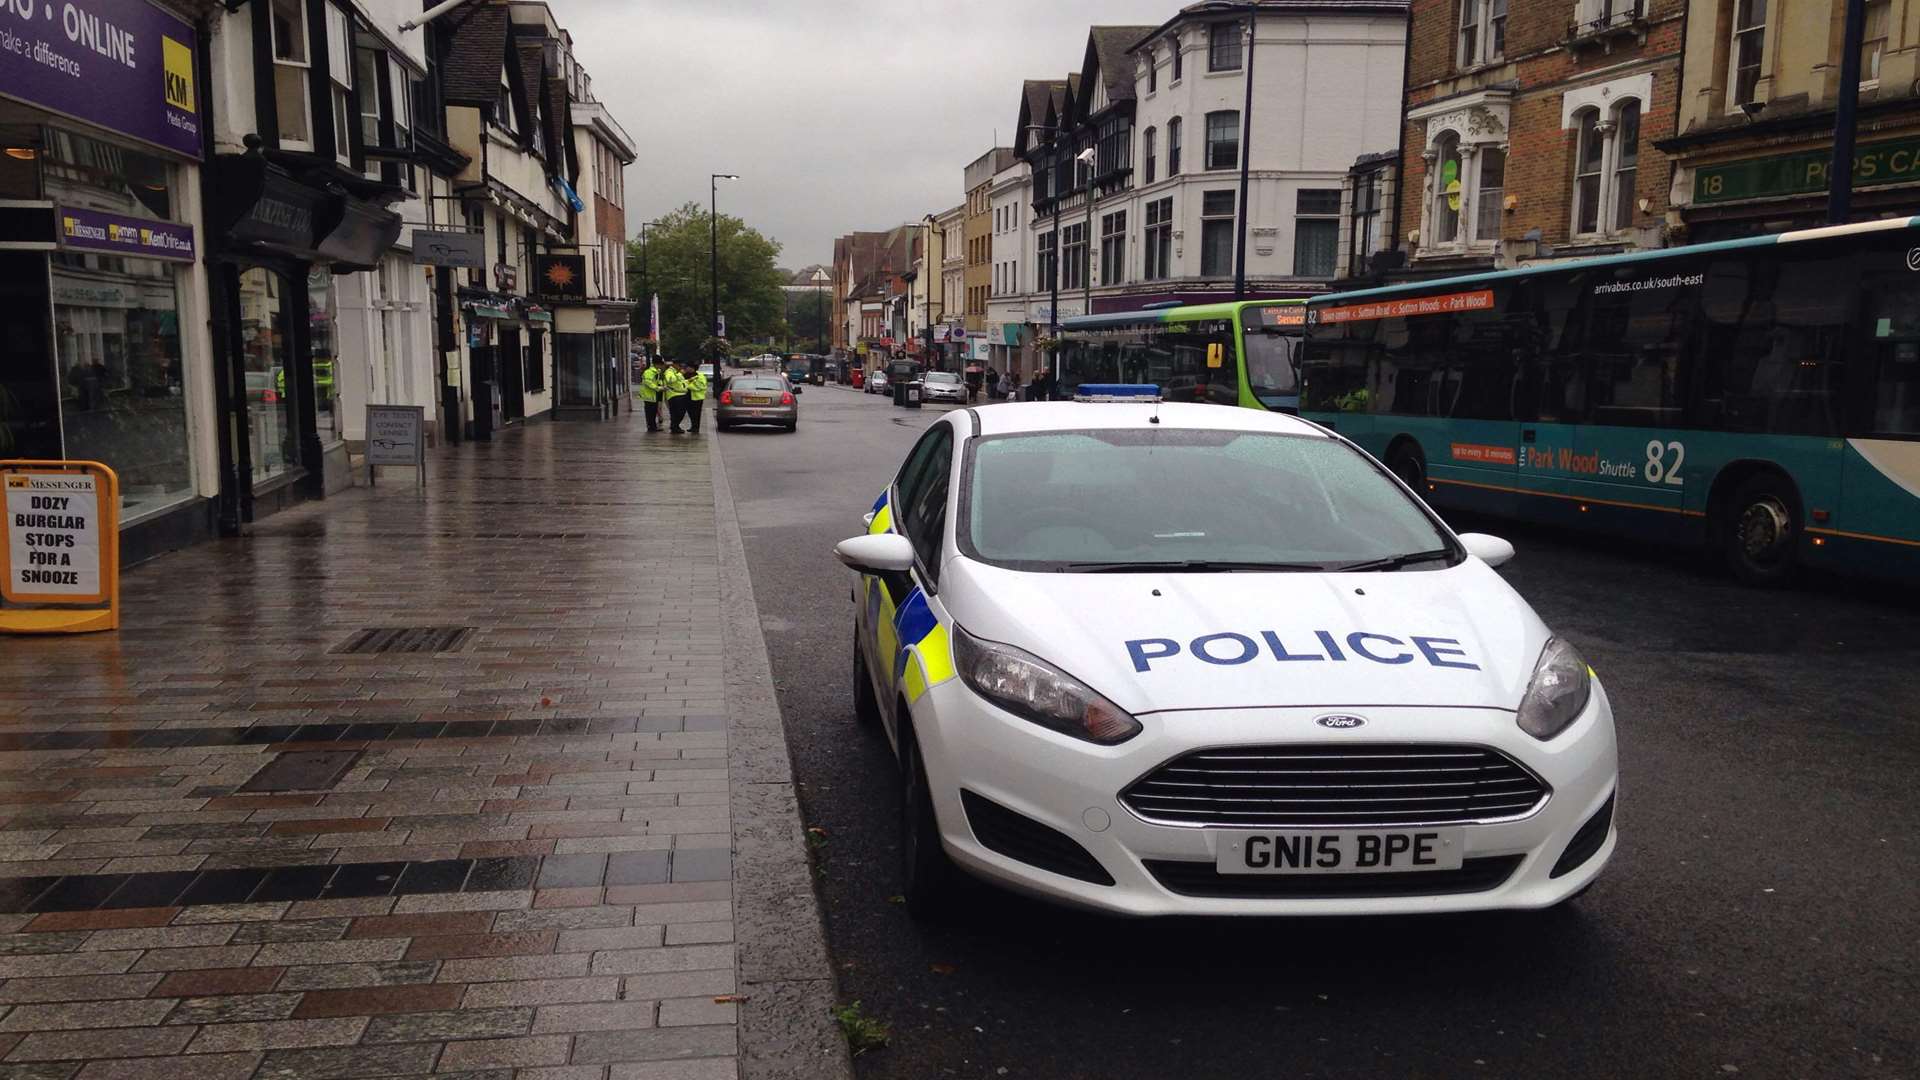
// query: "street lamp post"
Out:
[820,276]
[1246,148]
[713,254]
[646,293]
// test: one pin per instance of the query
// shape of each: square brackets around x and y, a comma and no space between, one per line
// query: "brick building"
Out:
[1529,133]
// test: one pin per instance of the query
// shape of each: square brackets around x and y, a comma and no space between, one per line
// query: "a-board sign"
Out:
[59,547]
[54,551]
[396,436]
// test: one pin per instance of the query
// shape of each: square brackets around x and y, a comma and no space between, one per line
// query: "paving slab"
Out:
[229,849]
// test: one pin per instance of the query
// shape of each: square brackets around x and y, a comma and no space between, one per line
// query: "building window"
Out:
[1483,31]
[1146,149]
[1216,234]
[1158,239]
[1606,169]
[1113,248]
[1490,194]
[368,65]
[1223,140]
[340,81]
[1365,222]
[503,106]
[1176,58]
[1043,265]
[1074,242]
[1153,72]
[1448,185]
[291,64]
[1173,147]
[1626,163]
[1316,231]
[1749,41]
[1223,46]
[1873,41]
[1116,140]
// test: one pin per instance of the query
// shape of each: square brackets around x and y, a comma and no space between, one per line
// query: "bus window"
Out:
[1272,357]
[1890,356]
[1773,345]
[1633,354]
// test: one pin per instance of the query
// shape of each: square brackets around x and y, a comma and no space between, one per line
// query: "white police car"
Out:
[1185,659]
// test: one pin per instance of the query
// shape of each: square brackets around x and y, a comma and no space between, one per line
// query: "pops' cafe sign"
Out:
[1444,304]
[124,65]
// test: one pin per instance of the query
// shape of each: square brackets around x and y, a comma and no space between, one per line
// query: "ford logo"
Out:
[1340,721]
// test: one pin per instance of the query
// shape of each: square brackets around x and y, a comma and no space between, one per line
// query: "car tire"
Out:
[866,707]
[1760,530]
[793,426]
[721,425]
[929,880]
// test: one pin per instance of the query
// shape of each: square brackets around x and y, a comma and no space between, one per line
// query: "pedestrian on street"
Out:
[696,394]
[653,383]
[676,384]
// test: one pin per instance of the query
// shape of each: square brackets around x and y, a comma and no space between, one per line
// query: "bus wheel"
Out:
[1407,464]
[1761,531]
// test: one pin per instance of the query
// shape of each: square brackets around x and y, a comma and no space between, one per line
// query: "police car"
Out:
[1159,658]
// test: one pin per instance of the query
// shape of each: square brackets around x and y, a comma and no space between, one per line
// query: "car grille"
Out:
[1347,785]
[1201,879]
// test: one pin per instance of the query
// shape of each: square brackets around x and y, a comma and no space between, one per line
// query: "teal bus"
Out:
[1759,396]
[1241,353]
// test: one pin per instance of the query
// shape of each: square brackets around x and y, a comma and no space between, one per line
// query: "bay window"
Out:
[1223,140]
[340,81]
[1173,147]
[1443,215]
[1159,240]
[1216,233]
[1223,46]
[292,62]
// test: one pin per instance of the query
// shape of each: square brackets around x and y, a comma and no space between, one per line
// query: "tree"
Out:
[675,257]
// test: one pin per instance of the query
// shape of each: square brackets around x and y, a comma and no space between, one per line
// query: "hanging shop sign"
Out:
[61,546]
[123,65]
[117,234]
[563,277]
[439,247]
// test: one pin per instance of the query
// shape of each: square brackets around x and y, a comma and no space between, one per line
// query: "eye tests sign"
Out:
[124,65]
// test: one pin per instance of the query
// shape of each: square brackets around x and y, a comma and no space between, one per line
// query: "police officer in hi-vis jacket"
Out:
[653,383]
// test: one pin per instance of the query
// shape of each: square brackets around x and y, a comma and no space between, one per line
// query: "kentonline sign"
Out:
[123,65]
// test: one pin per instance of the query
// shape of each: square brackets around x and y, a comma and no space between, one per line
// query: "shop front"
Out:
[101,303]
[289,223]
[1772,176]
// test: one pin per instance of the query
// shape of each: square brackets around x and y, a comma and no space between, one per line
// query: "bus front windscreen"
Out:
[1273,370]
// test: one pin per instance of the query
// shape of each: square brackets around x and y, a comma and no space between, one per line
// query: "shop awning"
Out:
[489,311]
[536,313]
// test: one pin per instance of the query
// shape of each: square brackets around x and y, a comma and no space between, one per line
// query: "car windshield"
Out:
[1180,498]
[942,377]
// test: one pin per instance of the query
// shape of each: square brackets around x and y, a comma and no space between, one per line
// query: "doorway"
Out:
[512,361]
[29,387]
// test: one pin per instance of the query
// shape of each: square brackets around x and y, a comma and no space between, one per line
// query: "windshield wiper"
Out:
[1188,566]
[1392,562]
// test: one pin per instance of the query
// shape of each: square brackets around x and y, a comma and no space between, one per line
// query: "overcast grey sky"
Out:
[855,114]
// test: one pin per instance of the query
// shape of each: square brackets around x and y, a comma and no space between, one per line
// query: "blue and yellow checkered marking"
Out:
[925,657]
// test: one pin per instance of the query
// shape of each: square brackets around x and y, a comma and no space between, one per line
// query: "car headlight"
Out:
[1032,689]
[1558,691]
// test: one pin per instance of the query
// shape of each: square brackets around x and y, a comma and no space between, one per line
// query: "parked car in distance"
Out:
[877,383]
[942,386]
[758,399]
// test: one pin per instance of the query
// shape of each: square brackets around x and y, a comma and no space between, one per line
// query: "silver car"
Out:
[942,386]
[758,399]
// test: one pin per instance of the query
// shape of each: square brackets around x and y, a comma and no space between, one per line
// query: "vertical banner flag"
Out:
[653,329]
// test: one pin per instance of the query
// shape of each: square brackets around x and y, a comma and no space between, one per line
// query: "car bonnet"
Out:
[1169,641]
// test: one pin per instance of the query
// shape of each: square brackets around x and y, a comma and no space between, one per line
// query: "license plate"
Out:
[1388,851]
[758,400]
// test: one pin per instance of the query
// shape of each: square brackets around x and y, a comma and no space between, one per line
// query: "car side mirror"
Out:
[1488,549]
[876,553]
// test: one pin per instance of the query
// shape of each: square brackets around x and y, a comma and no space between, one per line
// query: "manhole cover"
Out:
[302,770]
[405,639]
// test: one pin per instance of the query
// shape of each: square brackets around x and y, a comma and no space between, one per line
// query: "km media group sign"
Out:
[122,64]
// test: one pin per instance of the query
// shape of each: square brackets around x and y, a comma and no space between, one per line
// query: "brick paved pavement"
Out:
[520,861]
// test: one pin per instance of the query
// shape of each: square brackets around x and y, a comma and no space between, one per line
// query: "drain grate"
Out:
[405,639]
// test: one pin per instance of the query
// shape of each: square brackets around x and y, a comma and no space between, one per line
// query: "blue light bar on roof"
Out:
[1117,392]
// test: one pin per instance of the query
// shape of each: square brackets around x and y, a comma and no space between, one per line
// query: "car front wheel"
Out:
[930,880]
